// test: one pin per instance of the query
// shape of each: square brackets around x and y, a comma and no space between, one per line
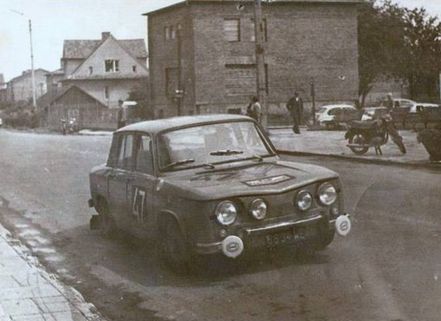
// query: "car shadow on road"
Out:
[137,260]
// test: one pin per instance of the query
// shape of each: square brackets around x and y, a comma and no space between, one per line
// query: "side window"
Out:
[144,157]
[125,153]
[114,150]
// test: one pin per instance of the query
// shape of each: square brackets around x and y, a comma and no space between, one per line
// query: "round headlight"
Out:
[304,200]
[258,209]
[226,213]
[327,194]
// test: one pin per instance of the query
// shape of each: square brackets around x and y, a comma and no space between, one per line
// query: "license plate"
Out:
[298,234]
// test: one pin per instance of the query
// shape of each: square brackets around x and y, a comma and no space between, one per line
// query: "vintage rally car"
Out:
[212,184]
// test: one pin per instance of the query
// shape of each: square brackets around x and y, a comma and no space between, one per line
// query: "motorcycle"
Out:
[70,126]
[362,135]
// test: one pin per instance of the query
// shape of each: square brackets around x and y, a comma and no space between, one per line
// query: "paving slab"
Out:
[29,293]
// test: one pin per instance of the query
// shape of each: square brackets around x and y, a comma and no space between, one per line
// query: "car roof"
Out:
[337,106]
[158,125]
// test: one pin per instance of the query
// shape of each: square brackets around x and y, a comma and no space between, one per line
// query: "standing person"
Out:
[295,108]
[389,102]
[121,115]
[254,109]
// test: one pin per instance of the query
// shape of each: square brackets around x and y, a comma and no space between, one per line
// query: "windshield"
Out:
[210,144]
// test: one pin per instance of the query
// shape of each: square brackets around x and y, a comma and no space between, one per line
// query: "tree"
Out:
[423,52]
[381,44]
[140,94]
[399,43]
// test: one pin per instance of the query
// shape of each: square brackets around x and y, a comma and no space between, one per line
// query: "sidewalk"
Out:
[332,143]
[28,293]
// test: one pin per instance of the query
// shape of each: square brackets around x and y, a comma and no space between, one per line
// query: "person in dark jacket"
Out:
[295,108]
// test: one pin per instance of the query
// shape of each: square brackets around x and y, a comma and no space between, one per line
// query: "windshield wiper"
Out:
[179,162]
[226,152]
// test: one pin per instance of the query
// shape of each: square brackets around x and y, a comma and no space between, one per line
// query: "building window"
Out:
[106,92]
[134,68]
[232,29]
[111,65]
[264,30]
[166,33]
[90,70]
[172,32]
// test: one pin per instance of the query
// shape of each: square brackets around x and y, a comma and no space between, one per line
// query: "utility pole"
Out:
[260,61]
[179,94]
[34,98]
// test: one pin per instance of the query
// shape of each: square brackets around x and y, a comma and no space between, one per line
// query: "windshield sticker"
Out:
[269,180]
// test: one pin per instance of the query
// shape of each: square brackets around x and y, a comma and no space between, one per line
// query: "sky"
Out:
[56,20]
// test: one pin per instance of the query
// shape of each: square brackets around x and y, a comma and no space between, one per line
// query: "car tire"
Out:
[173,249]
[108,227]
[325,239]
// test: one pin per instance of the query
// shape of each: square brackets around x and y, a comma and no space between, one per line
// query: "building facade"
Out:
[206,51]
[107,69]
[20,88]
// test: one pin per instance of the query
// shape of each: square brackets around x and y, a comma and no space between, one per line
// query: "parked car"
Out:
[401,102]
[373,113]
[334,115]
[210,184]
[423,106]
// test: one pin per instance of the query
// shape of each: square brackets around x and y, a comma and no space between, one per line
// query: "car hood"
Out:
[244,180]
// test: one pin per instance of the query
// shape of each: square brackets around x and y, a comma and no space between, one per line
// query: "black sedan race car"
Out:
[212,184]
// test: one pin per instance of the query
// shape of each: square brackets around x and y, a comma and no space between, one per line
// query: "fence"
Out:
[91,116]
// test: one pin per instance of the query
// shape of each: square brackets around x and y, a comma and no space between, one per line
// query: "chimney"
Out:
[105,35]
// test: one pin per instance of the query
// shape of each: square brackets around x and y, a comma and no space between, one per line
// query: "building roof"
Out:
[155,126]
[66,89]
[28,73]
[81,49]
[179,4]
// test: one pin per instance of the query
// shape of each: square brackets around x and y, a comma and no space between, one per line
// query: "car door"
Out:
[141,188]
[118,178]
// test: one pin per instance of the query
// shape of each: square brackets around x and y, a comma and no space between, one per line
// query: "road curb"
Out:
[86,309]
[387,162]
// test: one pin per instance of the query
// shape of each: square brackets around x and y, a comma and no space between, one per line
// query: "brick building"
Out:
[306,41]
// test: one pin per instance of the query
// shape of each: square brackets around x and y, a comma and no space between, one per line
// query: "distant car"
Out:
[423,106]
[405,104]
[332,115]
[372,113]
[211,184]
[1,122]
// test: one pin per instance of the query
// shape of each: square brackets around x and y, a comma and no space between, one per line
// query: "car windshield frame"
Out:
[224,155]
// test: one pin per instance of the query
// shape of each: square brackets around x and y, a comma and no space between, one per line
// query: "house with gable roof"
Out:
[95,76]
[106,69]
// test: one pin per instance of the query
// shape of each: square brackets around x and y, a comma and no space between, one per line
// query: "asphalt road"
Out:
[388,269]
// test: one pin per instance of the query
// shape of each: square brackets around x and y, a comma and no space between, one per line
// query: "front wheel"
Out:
[361,140]
[108,227]
[173,248]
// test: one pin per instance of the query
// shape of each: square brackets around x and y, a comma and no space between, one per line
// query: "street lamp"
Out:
[34,98]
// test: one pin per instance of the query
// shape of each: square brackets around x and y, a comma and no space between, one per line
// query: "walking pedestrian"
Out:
[254,109]
[295,108]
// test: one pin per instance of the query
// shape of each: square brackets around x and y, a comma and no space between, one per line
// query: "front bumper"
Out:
[249,234]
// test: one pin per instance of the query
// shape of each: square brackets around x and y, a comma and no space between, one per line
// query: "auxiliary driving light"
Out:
[226,212]
[327,194]
[258,209]
[303,200]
